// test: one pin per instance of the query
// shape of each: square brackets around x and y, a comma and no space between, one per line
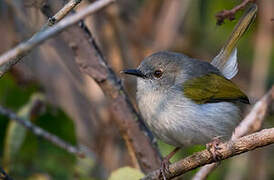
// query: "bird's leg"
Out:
[165,163]
[213,148]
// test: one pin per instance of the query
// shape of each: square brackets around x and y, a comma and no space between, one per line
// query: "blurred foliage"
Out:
[83,167]
[37,155]
[16,133]
[44,157]
[126,173]
[270,80]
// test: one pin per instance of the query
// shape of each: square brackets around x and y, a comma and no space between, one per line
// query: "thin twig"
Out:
[205,171]
[63,12]
[88,56]
[251,123]
[51,21]
[230,14]
[41,132]
[254,119]
[227,150]
[8,59]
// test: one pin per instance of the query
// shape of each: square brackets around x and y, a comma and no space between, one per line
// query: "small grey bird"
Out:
[185,101]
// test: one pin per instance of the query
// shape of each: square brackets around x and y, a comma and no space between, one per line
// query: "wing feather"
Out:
[213,88]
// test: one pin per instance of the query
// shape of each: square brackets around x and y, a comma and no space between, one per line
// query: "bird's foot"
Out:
[213,147]
[164,169]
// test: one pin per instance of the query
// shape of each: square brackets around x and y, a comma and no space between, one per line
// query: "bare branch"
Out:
[8,59]
[42,133]
[205,171]
[63,12]
[230,14]
[90,60]
[139,140]
[251,123]
[51,21]
[227,150]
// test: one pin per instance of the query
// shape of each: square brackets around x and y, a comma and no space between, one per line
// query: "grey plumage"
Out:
[170,115]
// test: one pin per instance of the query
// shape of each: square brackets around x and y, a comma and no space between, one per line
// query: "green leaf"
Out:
[84,166]
[39,176]
[16,133]
[126,173]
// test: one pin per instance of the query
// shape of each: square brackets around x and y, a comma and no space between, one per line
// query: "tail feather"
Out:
[226,60]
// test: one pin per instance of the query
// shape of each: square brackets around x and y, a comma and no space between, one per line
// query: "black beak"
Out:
[134,72]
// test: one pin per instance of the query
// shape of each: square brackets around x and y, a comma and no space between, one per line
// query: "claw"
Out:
[213,148]
[164,169]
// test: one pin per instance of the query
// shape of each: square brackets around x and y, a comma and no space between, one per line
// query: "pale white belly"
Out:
[181,122]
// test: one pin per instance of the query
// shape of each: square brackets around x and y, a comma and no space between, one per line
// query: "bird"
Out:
[186,101]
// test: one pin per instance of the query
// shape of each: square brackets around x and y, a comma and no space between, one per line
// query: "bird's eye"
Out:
[158,73]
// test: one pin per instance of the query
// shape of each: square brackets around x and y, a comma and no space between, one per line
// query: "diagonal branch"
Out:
[51,21]
[42,133]
[91,61]
[139,140]
[63,12]
[8,59]
[251,123]
[227,150]
[89,58]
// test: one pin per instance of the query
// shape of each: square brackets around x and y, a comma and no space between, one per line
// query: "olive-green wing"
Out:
[213,88]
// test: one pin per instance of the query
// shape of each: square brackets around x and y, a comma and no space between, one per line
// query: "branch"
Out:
[8,59]
[51,21]
[230,14]
[205,171]
[227,150]
[254,119]
[138,138]
[63,12]
[4,175]
[42,133]
[91,61]
[251,123]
